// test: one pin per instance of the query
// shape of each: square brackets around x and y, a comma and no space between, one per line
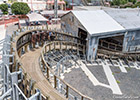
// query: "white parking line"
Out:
[112,81]
[88,73]
[122,68]
[113,84]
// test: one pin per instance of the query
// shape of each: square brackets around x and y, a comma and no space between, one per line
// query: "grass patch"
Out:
[112,73]
[118,81]
[128,69]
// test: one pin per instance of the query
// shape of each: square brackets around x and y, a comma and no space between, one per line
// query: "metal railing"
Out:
[11,81]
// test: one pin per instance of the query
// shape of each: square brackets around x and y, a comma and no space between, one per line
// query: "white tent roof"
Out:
[97,21]
[36,17]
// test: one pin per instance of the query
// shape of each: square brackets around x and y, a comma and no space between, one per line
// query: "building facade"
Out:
[107,30]
[61,4]
[43,4]
[35,4]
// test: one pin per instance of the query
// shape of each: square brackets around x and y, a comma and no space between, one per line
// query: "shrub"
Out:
[118,81]
[136,5]
[123,3]
[128,5]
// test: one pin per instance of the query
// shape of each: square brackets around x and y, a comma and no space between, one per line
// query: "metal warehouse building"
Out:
[113,30]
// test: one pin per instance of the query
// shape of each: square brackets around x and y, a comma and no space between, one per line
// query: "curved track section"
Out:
[30,61]
[30,40]
[50,75]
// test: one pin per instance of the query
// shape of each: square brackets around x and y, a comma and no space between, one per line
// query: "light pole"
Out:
[55,9]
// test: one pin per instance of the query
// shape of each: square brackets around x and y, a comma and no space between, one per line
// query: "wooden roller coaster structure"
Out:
[28,37]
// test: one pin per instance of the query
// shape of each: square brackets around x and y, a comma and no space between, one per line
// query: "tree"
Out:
[66,3]
[4,8]
[116,2]
[20,8]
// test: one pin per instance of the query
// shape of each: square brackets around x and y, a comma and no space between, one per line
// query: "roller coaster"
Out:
[34,63]
[23,86]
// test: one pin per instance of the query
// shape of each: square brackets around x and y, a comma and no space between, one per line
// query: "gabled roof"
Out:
[98,21]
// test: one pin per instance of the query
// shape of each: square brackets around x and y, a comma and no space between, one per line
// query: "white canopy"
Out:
[36,17]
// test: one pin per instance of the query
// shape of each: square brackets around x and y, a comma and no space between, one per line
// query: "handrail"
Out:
[43,59]
[17,58]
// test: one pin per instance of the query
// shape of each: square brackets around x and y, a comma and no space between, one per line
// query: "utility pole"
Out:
[72,4]
[55,9]
[31,5]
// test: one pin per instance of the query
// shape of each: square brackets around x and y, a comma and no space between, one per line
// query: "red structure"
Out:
[61,4]
[9,20]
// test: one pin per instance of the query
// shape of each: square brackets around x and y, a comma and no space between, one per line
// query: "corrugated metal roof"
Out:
[128,18]
[98,21]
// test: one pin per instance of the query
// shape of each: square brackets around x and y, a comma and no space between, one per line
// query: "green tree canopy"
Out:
[20,8]
[122,2]
[4,8]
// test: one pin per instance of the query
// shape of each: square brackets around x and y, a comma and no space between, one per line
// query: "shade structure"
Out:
[36,17]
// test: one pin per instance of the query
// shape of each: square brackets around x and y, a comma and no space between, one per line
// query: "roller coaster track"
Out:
[29,46]
[30,61]
[27,56]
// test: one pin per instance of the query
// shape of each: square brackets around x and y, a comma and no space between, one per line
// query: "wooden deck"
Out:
[30,61]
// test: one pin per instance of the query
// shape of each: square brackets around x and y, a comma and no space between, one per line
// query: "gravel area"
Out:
[80,81]
[129,83]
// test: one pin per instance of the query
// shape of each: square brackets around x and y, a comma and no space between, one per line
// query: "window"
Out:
[72,19]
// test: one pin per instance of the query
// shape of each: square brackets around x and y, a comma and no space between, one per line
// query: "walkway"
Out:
[30,61]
